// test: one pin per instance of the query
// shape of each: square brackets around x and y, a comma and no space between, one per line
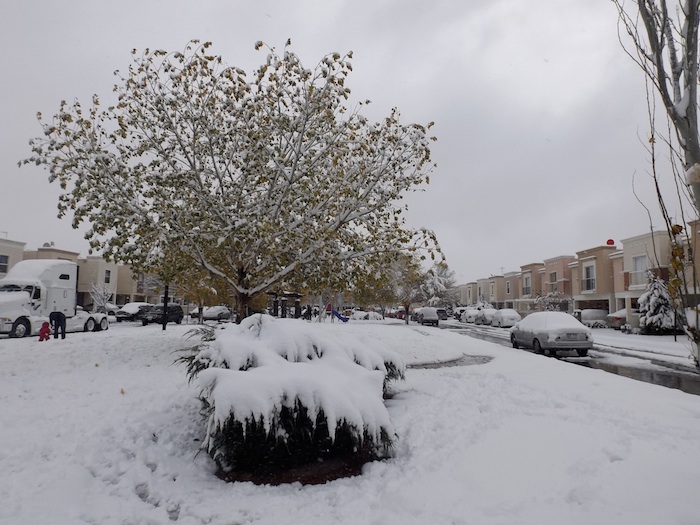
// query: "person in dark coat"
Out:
[58,323]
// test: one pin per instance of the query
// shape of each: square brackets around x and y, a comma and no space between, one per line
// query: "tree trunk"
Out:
[242,307]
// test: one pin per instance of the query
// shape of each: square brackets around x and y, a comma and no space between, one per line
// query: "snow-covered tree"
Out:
[197,287]
[656,312]
[664,34]
[101,295]
[407,280]
[376,285]
[551,301]
[252,179]
[666,49]
[438,284]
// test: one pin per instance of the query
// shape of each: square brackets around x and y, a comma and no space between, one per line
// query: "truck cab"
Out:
[31,290]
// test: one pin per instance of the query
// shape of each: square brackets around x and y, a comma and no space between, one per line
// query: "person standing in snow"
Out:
[58,322]
[45,332]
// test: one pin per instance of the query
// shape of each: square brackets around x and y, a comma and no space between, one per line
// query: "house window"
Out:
[527,284]
[4,263]
[507,287]
[480,294]
[588,284]
[638,275]
[491,289]
[108,276]
[553,282]
[469,295]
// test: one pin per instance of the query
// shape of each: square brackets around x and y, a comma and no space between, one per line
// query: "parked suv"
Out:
[155,314]
[131,311]
[428,315]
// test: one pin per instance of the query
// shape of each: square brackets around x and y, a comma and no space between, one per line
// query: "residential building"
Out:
[511,290]
[592,279]
[496,293]
[556,281]
[640,254]
[482,290]
[96,275]
[11,252]
[557,275]
[49,251]
[92,271]
[530,287]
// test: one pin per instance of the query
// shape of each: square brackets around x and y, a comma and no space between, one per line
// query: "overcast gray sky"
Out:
[538,111]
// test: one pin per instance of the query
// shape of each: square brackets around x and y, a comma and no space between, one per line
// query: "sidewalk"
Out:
[660,349]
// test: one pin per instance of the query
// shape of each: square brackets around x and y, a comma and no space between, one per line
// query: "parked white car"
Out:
[469,315]
[485,316]
[551,331]
[592,317]
[505,317]
[216,313]
[457,312]
[361,315]
[84,321]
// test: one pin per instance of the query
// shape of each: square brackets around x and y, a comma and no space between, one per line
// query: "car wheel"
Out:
[536,346]
[178,321]
[583,352]
[144,322]
[119,320]
[90,325]
[513,341]
[104,324]
[20,328]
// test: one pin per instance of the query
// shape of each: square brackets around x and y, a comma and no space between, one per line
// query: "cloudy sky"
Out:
[539,114]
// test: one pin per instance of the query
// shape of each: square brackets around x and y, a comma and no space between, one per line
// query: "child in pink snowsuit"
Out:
[45,332]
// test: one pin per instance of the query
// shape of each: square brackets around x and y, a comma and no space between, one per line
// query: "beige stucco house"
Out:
[11,252]
[592,278]
[511,289]
[650,251]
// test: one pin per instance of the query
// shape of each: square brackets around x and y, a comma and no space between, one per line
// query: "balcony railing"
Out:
[588,284]
[638,278]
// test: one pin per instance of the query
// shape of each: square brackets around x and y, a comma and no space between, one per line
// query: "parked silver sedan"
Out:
[551,331]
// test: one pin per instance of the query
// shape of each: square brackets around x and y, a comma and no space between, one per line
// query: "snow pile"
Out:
[279,392]
[361,315]
[102,428]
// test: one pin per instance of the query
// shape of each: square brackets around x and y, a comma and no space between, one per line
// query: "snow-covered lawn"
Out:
[102,428]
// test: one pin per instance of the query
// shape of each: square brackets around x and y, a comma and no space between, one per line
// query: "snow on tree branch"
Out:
[249,177]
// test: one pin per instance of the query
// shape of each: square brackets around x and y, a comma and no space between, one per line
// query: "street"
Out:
[642,364]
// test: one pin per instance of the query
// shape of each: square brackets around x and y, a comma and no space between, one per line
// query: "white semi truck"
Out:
[32,289]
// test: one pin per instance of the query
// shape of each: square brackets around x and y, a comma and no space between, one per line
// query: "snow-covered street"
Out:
[103,428]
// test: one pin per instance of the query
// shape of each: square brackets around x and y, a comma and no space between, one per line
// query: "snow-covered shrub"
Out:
[595,323]
[656,313]
[279,393]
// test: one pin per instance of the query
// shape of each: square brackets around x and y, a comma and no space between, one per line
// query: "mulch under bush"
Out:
[317,473]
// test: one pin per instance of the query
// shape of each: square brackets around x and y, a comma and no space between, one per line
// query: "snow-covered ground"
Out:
[103,428]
